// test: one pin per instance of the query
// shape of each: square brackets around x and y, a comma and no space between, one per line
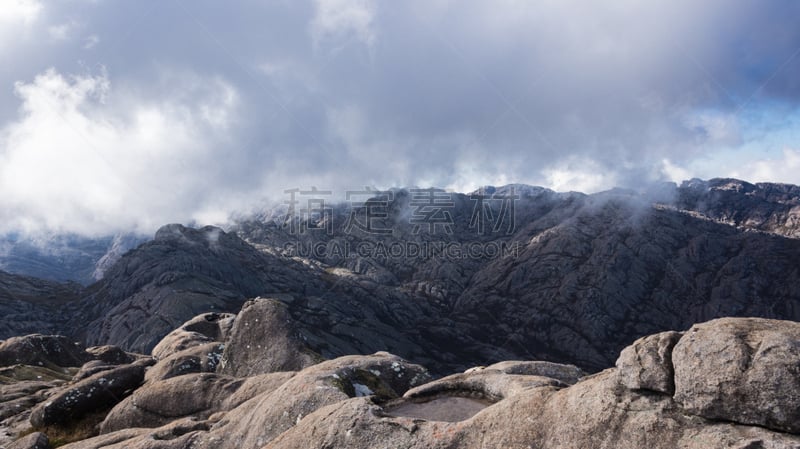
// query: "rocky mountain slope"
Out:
[768,207]
[574,279]
[30,305]
[587,274]
[726,383]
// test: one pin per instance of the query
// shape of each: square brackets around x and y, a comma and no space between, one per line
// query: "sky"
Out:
[121,116]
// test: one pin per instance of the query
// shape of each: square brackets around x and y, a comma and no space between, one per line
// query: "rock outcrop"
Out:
[730,382]
[264,340]
[202,329]
[113,355]
[204,358]
[647,363]
[36,440]
[42,350]
[765,207]
[745,371]
[158,403]
[95,393]
[599,411]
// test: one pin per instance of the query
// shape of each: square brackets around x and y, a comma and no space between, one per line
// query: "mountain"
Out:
[588,274]
[767,207]
[30,305]
[564,277]
[185,271]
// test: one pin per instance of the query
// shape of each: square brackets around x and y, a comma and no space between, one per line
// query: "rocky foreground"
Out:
[245,381]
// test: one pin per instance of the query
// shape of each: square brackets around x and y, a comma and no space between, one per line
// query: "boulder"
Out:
[16,401]
[489,385]
[252,424]
[203,358]
[193,395]
[35,440]
[568,374]
[254,386]
[365,428]
[95,393]
[175,435]
[197,395]
[381,400]
[595,413]
[202,329]
[91,368]
[42,350]
[742,370]
[647,363]
[21,396]
[213,325]
[264,340]
[110,354]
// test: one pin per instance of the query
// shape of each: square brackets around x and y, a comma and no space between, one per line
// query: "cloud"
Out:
[205,110]
[673,172]
[784,169]
[19,11]
[91,41]
[63,31]
[580,176]
[342,20]
[715,128]
[89,158]
[17,17]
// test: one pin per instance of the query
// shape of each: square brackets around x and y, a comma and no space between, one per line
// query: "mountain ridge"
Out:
[591,274]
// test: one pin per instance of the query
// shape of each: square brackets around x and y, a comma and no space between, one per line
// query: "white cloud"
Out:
[19,11]
[785,169]
[17,17]
[579,174]
[85,157]
[91,41]
[674,172]
[63,31]
[715,128]
[337,19]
